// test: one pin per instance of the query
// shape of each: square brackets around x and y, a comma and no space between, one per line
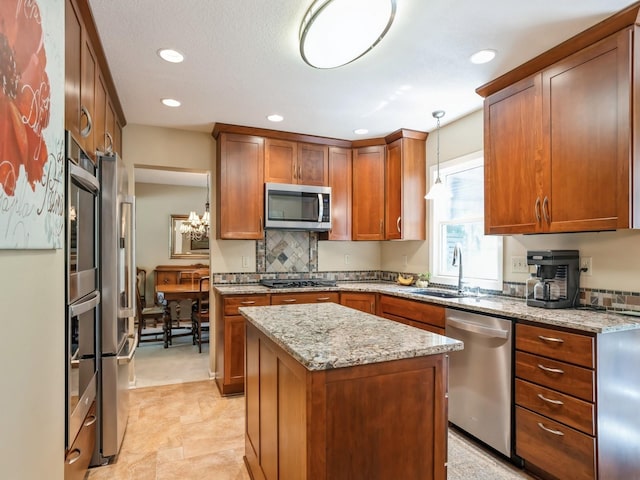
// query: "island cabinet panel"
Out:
[240,187]
[365,302]
[558,144]
[379,421]
[417,314]
[229,337]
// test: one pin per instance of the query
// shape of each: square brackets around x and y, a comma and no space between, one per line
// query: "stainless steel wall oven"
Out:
[82,222]
[82,292]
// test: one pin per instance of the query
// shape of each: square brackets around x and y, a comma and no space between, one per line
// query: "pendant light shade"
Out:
[439,189]
[336,32]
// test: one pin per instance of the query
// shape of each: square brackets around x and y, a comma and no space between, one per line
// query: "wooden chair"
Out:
[179,313]
[141,279]
[201,314]
[192,276]
[157,314]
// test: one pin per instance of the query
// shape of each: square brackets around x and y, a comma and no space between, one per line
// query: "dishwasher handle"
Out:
[479,329]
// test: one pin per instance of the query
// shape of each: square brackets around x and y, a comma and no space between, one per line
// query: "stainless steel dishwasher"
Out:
[480,377]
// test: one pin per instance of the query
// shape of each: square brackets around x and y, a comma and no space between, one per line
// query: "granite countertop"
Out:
[323,336]
[595,321]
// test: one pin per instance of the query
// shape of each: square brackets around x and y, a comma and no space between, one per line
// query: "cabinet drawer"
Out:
[412,310]
[568,347]
[557,406]
[553,447]
[231,304]
[565,378]
[76,461]
[307,297]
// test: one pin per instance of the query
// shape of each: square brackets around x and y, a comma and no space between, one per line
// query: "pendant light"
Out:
[438,190]
[195,227]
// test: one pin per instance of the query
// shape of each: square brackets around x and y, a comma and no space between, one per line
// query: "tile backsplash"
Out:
[284,251]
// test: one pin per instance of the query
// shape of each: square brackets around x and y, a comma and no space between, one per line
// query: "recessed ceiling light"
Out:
[171,102]
[275,118]
[483,56]
[170,55]
[361,131]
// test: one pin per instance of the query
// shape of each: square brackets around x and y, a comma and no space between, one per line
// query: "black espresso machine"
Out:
[556,282]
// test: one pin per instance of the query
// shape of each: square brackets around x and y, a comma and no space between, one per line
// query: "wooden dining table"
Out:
[176,292]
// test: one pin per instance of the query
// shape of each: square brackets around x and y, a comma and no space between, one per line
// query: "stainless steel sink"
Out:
[439,293]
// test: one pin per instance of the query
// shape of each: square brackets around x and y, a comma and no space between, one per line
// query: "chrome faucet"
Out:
[457,260]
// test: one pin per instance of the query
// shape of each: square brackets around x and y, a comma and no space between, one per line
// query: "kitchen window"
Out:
[460,219]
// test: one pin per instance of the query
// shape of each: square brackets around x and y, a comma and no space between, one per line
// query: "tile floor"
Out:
[182,429]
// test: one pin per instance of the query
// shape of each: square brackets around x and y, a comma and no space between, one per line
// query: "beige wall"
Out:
[32,356]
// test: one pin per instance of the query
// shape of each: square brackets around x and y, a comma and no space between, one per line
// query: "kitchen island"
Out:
[334,393]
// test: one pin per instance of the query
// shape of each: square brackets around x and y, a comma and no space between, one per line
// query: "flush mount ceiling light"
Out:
[361,131]
[336,32]
[171,102]
[275,117]
[483,56]
[170,55]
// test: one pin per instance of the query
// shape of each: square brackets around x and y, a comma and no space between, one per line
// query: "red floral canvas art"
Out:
[24,101]
[27,167]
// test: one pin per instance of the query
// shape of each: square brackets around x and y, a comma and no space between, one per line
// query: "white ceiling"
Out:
[242,61]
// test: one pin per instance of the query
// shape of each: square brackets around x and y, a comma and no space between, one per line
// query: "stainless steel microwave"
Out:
[297,207]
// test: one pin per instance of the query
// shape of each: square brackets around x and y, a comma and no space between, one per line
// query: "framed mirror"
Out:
[181,245]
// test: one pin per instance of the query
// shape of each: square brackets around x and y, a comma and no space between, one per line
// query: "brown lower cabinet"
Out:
[365,302]
[385,420]
[76,461]
[230,340]
[421,315]
[576,397]
[230,335]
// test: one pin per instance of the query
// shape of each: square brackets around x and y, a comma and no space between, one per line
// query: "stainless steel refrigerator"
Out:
[117,280]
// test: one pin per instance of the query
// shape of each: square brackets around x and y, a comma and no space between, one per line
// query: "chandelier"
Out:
[195,227]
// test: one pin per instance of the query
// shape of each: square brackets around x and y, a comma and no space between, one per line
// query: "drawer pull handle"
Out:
[550,370]
[548,400]
[550,339]
[555,432]
[248,302]
[322,299]
[74,456]
[289,300]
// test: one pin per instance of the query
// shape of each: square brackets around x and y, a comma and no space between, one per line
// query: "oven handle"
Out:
[124,359]
[80,308]
[479,329]
[84,178]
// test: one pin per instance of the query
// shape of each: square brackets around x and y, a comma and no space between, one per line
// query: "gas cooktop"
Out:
[297,283]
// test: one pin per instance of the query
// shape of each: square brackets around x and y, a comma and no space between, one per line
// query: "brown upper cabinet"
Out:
[389,183]
[359,179]
[368,193]
[293,162]
[405,186]
[240,186]
[340,181]
[559,133]
[92,110]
